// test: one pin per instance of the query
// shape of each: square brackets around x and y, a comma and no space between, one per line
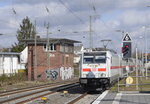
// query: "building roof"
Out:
[51,40]
[9,53]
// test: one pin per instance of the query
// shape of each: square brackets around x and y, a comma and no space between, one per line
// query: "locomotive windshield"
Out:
[94,58]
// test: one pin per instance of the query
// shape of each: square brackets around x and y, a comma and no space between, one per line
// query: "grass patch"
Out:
[12,78]
[143,84]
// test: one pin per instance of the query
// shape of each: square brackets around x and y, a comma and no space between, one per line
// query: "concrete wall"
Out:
[8,64]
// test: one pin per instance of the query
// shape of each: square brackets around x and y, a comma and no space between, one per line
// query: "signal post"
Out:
[127,51]
[127,47]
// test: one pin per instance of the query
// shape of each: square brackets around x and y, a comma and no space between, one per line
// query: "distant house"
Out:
[9,63]
[53,61]
[24,58]
[78,51]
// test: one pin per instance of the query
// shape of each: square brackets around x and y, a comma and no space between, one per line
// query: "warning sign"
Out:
[129,80]
[127,38]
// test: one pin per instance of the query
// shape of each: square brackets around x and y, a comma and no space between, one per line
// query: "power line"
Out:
[7,22]
[71,11]
[49,12]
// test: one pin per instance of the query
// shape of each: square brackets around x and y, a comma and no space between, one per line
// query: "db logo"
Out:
[93,69]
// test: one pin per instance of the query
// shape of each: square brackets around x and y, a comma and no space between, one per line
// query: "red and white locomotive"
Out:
[100,69]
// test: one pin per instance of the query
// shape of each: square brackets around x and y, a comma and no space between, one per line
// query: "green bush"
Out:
[12,78]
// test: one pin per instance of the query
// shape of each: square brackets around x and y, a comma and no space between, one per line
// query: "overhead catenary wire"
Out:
[4,21]
[92,5]
[14,12]
[71,11]
[62,32]
[48,10]
[56,19]
[94,9]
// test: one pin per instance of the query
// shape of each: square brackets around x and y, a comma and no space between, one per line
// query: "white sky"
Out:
[70,16]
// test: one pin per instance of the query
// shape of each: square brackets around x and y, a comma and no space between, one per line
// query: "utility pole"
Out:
[90,33]
[35,55]
[48,47]
[146,56]
[136,70]
[145,49]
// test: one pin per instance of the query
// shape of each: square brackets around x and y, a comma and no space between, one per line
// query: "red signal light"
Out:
[127,46]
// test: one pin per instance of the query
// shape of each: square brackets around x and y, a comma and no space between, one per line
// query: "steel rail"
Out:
[34,98]
[32,88]
[54,89]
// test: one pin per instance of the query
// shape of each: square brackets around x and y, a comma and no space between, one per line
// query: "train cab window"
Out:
[88,59]
[100,59]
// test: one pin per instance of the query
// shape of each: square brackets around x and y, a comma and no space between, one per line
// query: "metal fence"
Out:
[140,83]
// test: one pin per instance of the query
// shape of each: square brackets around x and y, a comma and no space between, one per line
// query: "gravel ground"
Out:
[89,98]
[60,98]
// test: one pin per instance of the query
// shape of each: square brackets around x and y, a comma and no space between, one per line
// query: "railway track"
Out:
[26,95]
[9,92]
[78,98]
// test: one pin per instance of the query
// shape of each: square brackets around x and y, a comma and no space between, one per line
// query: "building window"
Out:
[66,48]
[50,47]
[70,49]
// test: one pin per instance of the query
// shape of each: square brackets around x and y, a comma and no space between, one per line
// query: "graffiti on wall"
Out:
[66,73]
[51,74]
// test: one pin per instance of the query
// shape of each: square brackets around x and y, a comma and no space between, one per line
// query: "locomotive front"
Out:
[93,73]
